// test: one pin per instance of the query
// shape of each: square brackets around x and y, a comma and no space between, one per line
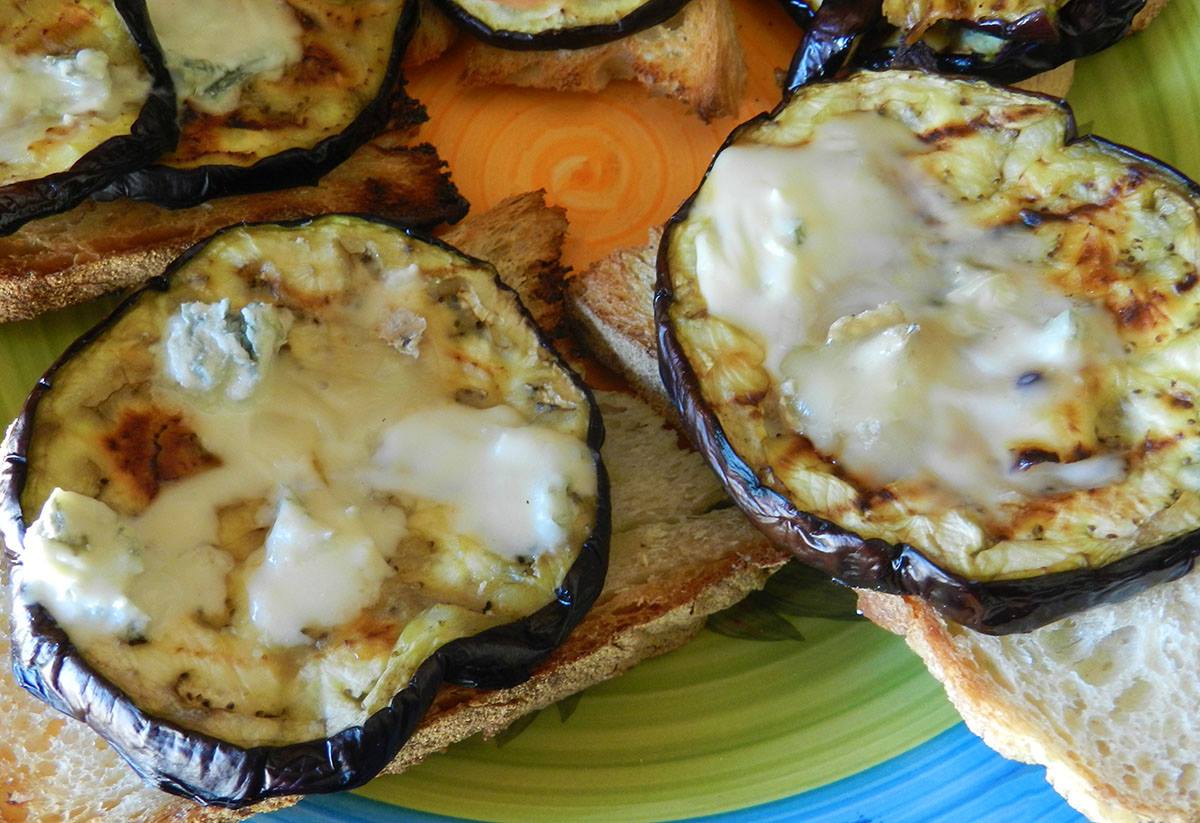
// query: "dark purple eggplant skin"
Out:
[799,11]
[153,133]
[210,771]
[846,35]
[649,14]
[996,607]
[178,188]
[829,37]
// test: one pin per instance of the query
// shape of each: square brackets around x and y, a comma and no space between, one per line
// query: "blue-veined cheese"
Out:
[89,567]
[209,348]
[326,586]
[79,561]
[213,47]
[326,435]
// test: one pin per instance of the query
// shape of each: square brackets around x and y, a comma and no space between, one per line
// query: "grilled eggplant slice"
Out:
[535,25]
[273,93]
[84,98]
[938,345]
[1005,41]
[262,512]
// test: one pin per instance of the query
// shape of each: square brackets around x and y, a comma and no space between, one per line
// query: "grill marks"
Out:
[1105,257]
[151,446]
[953,131]
[321,65]
[338,68]
[204,133]
[1141,314]
[66,25]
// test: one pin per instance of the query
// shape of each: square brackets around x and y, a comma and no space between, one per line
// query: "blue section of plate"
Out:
[951,778]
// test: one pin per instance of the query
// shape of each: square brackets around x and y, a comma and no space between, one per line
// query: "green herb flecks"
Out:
[800,234]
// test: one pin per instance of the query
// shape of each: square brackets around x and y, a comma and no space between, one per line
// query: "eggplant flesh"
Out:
[101,46]
[319,80]
[1005,45]
[537,25]
[818,417]
[189,642]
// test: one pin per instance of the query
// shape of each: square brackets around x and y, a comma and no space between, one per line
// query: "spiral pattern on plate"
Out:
[619,161]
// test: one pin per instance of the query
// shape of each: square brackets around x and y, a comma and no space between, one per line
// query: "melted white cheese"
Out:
[285,591]
[309,427]
[314,575]
[907,340]
[523,15]
[525,10]
[506,481]
[43,95]
[213,47]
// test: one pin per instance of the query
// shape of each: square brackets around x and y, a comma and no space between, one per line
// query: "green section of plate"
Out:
[1145,92]
[31,346]
[718,725]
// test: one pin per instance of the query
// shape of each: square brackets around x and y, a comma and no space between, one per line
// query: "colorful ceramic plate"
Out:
[836,721]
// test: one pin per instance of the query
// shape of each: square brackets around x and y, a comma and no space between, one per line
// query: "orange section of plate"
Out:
[619,161]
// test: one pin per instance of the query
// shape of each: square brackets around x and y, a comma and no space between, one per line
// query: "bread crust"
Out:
[434,35]
[1147,14]
[632,626]
[694,57]
[611,306]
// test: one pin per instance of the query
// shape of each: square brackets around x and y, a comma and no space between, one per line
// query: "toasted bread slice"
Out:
[694,57]
[435,33]
[99,247]
[676,557]
[1147,14]
[612,308]
[529,258]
